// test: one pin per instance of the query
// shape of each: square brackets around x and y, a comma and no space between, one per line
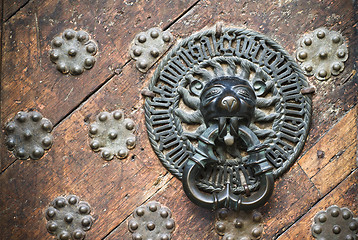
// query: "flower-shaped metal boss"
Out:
[29,135]
[112,135]
[322,53]
[68,218]
[73,52]
[151,221]
[334,224]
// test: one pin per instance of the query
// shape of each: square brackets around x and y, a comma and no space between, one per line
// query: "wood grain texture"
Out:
[30,80]
[345,195]
[11,7]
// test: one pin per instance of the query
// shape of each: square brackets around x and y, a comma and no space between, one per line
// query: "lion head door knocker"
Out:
[227,116]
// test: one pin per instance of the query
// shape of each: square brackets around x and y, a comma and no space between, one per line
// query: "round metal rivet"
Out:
[112,135]
[142,64]
[37,153]
[142,39]
[60,203]
[93,130]
[302,55]
[353,226]
[229,238]
[223,213]
[349,237]
[89,61]
[137,236]
[346,214]
[150,226]
[86,222]
[51,213]
[52,226]
[341,54]
[321,34]
[140,212]
[27,134]
[76,70]
[317,229]
[82,36]
[117,115]
[322,218]
[256,232]
[238,223]
[166,38]
[335,213]
[21,118]
[153,207]
[62,67]
[257,217]
[10,143]
[122,153]
[47,126]
[169,224]
[130,143]
[21,153]
[91,48]
[78,234]
[154,34]
[68,218]
[83,209]
[65,236]
[107,155]
[130,125]
[154,53]
[72,52]
[57,42]
[322,73]
[94,145]
[307,41]
[137,52]
[164,237]
[133,225]
[10,128]
[164,213]
[36,117]
[220,227]
[336,39]
[336,229]
[72,200]
[69,34]
[54,55]
[336,67]
[103,117]
[323,55]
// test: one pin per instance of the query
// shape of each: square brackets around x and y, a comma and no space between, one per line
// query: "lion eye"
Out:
[243,92]
[213,92]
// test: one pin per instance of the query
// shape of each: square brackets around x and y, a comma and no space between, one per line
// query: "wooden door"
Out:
[325,173]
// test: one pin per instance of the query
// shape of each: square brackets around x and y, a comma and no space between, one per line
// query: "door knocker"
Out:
[227,116]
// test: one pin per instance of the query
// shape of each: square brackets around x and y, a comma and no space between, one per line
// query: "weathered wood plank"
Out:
[344,195]
[30,80]
[11,7]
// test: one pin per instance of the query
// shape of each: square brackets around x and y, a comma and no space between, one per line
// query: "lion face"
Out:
[227,97]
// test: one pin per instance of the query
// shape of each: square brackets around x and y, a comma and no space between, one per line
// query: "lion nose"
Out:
[229,103]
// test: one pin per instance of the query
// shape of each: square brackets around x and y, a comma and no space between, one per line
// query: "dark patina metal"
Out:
[227,116]
[29,135]
[151,221]
[112,135]
[69,218]
[73,52]
[246,225]
[335,224]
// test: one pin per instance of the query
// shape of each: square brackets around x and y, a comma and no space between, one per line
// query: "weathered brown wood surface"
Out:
[114,189]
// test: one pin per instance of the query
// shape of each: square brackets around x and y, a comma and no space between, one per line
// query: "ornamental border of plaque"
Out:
[272,50]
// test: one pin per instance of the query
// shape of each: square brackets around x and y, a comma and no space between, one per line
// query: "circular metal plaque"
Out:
[282,114]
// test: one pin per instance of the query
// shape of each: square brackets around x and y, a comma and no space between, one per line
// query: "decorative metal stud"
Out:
[29,135]
[322,53]
[334,224]
[112,135]
[73,52]
[151,221]
[227,116]
[68,218]
[238,226]
[148,46]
